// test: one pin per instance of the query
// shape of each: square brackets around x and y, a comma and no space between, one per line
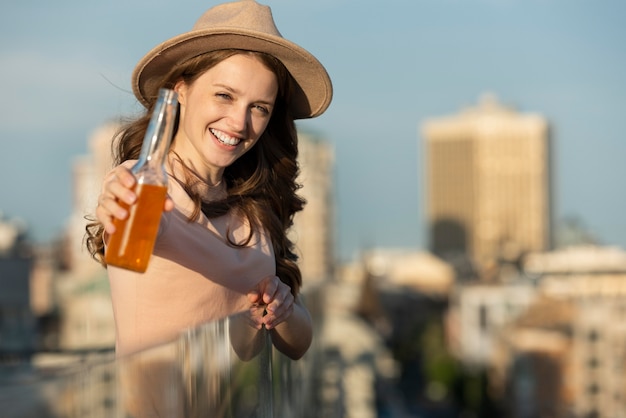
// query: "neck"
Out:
[210,187]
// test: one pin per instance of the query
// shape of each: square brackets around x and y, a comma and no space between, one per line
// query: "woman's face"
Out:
[223,113]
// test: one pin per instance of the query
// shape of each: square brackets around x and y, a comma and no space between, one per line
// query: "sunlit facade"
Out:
[487,182]
[314,227]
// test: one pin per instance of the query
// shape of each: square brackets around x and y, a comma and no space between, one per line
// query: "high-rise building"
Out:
[83,292]
[487,183]
[88,173]
[313,227]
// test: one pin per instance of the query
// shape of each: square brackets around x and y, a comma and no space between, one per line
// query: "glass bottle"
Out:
[131,245]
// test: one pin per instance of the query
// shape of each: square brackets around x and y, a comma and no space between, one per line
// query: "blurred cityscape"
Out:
[508,313]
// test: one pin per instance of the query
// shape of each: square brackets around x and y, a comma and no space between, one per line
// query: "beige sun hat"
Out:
[245,25]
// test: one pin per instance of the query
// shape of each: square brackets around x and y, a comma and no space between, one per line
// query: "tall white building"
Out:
[313,230]
[488,182]
[87,317]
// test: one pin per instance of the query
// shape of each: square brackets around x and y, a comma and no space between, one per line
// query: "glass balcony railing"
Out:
[220,369]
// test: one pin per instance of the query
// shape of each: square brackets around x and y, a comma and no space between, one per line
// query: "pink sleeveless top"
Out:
[193,277]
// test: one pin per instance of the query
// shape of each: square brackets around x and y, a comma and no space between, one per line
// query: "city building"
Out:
[88,172]
[592,279]
[418,271]
[477,314]
[314,226]
[554,340]
[532,369]
[18,326]
[487,184]
[86,316]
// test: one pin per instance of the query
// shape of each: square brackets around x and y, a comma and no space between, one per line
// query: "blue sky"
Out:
[66,68]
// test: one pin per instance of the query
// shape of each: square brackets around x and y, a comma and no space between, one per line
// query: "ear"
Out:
[181,89]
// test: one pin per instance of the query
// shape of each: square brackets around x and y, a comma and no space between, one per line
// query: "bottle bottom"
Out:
[130,246]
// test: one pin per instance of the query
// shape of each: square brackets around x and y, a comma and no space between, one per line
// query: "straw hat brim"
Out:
[311,88]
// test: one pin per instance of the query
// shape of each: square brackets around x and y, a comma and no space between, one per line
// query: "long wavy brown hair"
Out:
[261,185]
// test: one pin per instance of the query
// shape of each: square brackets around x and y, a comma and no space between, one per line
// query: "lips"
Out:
[224,138]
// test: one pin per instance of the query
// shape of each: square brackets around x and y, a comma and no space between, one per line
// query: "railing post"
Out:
[266,387]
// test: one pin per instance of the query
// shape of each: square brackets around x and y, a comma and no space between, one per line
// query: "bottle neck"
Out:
[158,136]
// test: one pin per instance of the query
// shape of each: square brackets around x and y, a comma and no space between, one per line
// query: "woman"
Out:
[222,246]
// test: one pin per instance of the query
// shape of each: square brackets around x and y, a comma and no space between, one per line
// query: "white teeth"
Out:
[226,139]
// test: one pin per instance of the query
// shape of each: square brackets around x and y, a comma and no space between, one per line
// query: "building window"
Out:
[483,319]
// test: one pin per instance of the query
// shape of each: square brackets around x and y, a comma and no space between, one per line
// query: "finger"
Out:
[282,296]
[269,289]
[105,218]
[254,297]
[273,320]
[110,202]
[119,180]
[122,174]
[169,204]
[277,310]
[115,189]
[128,164]
[119,185]
[126,177]
[255,317]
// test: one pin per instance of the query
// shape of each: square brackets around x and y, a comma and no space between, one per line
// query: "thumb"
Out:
[254,296]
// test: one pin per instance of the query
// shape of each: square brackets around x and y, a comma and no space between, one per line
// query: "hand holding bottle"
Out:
[117,194]
[134,230]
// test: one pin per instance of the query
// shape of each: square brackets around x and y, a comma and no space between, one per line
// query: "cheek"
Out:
[190,118]
[259,127]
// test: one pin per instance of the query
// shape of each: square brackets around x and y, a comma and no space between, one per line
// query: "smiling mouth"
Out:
[225,139]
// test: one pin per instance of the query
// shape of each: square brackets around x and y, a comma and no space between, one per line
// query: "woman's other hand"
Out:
[272,302]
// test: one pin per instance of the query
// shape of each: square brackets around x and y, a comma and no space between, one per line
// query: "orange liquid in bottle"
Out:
[131,245]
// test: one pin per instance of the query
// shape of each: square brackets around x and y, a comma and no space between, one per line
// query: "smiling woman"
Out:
[222,246]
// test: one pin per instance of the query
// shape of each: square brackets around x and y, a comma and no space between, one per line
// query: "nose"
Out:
[239,118]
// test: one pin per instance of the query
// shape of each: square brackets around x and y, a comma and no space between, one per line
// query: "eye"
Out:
[262,109]
[224,96]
